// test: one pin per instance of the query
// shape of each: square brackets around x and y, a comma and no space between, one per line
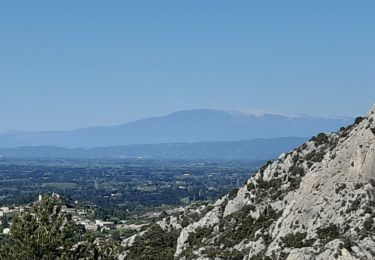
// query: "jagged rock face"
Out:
[317,202]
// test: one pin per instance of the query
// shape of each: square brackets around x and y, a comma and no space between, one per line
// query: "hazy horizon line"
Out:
[243,112]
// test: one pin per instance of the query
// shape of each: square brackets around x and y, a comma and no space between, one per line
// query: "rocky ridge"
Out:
[316,202]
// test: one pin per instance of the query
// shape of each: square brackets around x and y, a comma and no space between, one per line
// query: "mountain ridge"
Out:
[184,126]
[256,149]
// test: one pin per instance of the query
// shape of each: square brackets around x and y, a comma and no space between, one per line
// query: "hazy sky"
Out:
[67,64]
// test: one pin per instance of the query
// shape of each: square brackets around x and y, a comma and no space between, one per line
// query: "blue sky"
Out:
[67,64]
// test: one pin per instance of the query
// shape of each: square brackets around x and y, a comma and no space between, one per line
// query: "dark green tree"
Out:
[45,232]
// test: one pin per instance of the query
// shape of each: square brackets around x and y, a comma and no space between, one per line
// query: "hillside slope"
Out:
[317,202]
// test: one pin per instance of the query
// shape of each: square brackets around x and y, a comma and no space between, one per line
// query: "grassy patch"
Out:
[60,185]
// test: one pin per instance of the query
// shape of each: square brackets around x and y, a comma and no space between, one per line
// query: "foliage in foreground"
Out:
[47,233]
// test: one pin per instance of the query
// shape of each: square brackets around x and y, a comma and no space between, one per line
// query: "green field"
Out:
[60,185]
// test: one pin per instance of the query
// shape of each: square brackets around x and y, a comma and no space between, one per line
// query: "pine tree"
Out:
[45,232]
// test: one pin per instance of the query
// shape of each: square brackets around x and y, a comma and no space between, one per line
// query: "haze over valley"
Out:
[187,130]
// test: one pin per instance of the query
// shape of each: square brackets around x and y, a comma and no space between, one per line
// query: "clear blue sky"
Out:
[67,64]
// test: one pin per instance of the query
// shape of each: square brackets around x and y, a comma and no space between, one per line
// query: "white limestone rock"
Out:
[316,202]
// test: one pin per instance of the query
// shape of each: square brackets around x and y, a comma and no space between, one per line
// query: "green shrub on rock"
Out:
[328,233]
[155,244]
[297,240]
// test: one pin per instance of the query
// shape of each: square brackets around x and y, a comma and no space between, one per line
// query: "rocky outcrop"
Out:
[317,202]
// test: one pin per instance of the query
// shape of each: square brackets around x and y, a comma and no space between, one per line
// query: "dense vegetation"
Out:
[156,244]
[45,232]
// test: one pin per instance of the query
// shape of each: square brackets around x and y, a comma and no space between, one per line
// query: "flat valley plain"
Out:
[121,188]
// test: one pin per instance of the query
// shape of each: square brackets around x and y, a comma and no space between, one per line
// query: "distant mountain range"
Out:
[257,149]
[202,125]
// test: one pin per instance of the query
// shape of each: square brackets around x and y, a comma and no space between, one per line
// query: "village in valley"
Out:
[115,198]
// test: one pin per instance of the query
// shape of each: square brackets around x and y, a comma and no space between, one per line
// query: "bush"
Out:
[233,194]
[184,222]
[296,170]
[340,187]
[328,233]
[154,244]
[195,238]
[266,185]
[368,224]
[319,156]
[297,240]
[275,183]
[294,183]
[358,120]
[240,225]
[320,139]
[250,186]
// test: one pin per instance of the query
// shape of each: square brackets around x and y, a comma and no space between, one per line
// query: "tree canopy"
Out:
[45,232]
